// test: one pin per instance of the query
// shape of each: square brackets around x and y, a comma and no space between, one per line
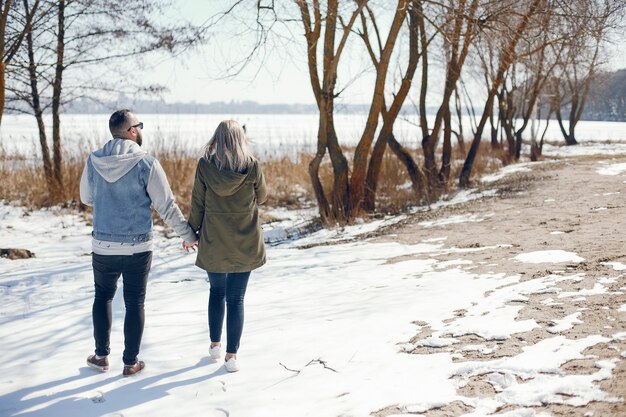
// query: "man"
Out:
[121,182]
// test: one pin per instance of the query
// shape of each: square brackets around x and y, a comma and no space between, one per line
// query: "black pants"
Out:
[106,272]
[227,293]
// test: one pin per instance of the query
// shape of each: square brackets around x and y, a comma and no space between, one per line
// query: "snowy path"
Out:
[401,324]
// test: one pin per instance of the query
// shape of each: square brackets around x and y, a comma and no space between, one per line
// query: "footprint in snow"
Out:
[97,397]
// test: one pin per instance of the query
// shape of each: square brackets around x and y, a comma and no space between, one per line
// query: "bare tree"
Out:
[85,40]
[33,98]
[593,21]
[324,91]
[508,48]
[514,41]
[14,24]
[461,24]
[362,152]
[537,61]
[390,114]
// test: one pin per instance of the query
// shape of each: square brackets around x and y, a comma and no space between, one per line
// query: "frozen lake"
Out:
[272,134]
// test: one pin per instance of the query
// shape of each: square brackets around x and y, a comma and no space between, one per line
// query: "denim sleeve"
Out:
[85,190]
[164,203]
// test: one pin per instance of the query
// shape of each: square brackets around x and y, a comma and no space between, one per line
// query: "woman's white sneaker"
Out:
[231,365]
[215,352]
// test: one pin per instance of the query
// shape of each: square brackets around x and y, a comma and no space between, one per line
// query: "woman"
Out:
[229,185]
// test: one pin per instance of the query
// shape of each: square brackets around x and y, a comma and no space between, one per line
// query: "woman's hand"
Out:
[188,246]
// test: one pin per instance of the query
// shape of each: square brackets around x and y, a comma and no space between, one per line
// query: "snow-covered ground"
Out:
[328,328]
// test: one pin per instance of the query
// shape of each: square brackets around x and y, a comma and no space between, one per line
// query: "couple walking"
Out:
[122,183]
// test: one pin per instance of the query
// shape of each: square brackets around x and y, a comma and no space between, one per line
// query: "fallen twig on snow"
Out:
[312,362]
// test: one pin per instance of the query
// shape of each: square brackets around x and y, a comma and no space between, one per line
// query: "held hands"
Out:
[190,246]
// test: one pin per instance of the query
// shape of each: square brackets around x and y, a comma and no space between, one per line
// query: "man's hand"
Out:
[188,246]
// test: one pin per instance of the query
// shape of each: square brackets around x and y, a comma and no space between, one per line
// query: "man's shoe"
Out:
[101,364]
[130,370]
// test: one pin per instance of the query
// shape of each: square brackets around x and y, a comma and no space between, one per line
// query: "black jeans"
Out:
[228,289]
[106,272]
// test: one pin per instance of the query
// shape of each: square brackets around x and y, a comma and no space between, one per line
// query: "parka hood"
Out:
[116,158]
[224,183]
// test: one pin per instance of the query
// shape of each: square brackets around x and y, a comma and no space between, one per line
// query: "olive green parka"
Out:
[224,211]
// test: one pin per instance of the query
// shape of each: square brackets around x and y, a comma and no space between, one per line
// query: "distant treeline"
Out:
[607,98]
[87,106]
[606,102]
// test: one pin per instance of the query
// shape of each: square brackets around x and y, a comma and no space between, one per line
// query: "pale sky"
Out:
[282,78]
[198,75]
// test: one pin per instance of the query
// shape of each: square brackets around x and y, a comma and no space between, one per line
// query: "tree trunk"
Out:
[495,145]
[2,89]
[390,116]
[340,197]
[56,96]
[362,151]
[429,158]
[424,84]
[543,135]
[430,164]
[570,139]
[494,132]
[459,115]
[464,179]
[453,73]
[53,185]
[6,56]
[314,168]
[4,16]
[567,134]
[373,169]
[518,145]
[505,106]
[539,80]
[418,179]
[507,59]
[446,154]
[535,152]
[338,209]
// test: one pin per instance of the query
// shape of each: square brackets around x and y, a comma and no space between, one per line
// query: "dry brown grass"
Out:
[23,181]
[395,194]
[288,180]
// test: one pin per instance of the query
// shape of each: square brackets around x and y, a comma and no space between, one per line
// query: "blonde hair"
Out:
[229,147]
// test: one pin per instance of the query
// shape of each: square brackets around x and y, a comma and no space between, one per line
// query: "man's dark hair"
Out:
[117,121]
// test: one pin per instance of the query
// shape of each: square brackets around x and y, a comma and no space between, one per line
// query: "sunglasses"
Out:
[138,125]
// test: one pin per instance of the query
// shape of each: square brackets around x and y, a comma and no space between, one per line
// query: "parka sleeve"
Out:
[197,201]
[260,188]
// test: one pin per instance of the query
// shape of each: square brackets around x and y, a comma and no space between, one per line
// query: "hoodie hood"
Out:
[116,158]
[224,183]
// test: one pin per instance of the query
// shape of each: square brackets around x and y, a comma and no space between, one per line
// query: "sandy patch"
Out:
[560,228]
